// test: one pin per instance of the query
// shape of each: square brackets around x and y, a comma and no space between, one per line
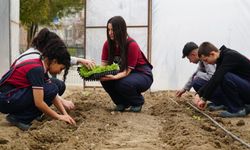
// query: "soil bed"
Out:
[161,125]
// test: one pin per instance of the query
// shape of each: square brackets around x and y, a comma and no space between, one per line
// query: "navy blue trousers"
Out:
[237,91]
[233,92]
[60,84]
[218,97]
[24,109]
[127,91]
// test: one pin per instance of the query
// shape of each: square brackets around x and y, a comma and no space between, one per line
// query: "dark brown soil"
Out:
[162,124]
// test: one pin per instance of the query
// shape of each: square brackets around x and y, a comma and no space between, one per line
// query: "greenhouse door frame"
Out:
[148,26]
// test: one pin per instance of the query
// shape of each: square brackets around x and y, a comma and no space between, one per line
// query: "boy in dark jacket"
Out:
[232,75]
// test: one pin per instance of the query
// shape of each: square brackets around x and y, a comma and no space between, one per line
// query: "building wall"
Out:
[14,30]
[9,33]
[4,35]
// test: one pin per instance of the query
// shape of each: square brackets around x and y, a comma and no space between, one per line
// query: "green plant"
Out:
[97,70]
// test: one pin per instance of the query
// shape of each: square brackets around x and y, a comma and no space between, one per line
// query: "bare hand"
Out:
[68,105]
[90,64]
[108,77]
[196,99]
[180,92]
[201,105]
[67,119]
[199,102]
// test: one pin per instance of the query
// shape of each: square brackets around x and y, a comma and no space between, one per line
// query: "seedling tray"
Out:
[97,72]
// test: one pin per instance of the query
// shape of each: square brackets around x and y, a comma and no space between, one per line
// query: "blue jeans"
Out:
[218,97]
[24,109]
[60,84]
[237,91]
[127,91]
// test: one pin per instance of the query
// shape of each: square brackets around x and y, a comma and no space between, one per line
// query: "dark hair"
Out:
[189,47]
[205,48]
[42,38]
[120,37]
[52,47]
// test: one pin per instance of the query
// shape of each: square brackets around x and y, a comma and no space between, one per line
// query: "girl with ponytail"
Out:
[26,92]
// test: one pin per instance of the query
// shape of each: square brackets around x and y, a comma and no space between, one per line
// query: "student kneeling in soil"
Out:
[232,75]
[37,49]
[135,74]
[200,77]
[26,91]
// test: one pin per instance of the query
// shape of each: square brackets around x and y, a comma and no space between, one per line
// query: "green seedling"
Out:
[97,72]
[196,117]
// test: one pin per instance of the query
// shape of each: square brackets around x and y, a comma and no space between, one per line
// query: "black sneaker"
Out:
[247,107]
[120,107]
[12,120]
[213,107]
[135,108]
[240,113]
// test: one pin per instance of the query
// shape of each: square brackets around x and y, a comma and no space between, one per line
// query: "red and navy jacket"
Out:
[27,73]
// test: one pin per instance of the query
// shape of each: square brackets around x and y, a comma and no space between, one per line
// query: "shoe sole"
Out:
[231,115]
[135,109]
[20,125]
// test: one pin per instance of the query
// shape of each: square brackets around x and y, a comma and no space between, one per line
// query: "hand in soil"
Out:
[67,119]
[201,105]
[199,102]
[180,92]
[68,105]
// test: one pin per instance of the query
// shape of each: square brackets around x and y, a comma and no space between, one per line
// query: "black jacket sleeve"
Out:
[227,63]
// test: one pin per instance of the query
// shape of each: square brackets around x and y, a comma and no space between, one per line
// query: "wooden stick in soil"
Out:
[220,126]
